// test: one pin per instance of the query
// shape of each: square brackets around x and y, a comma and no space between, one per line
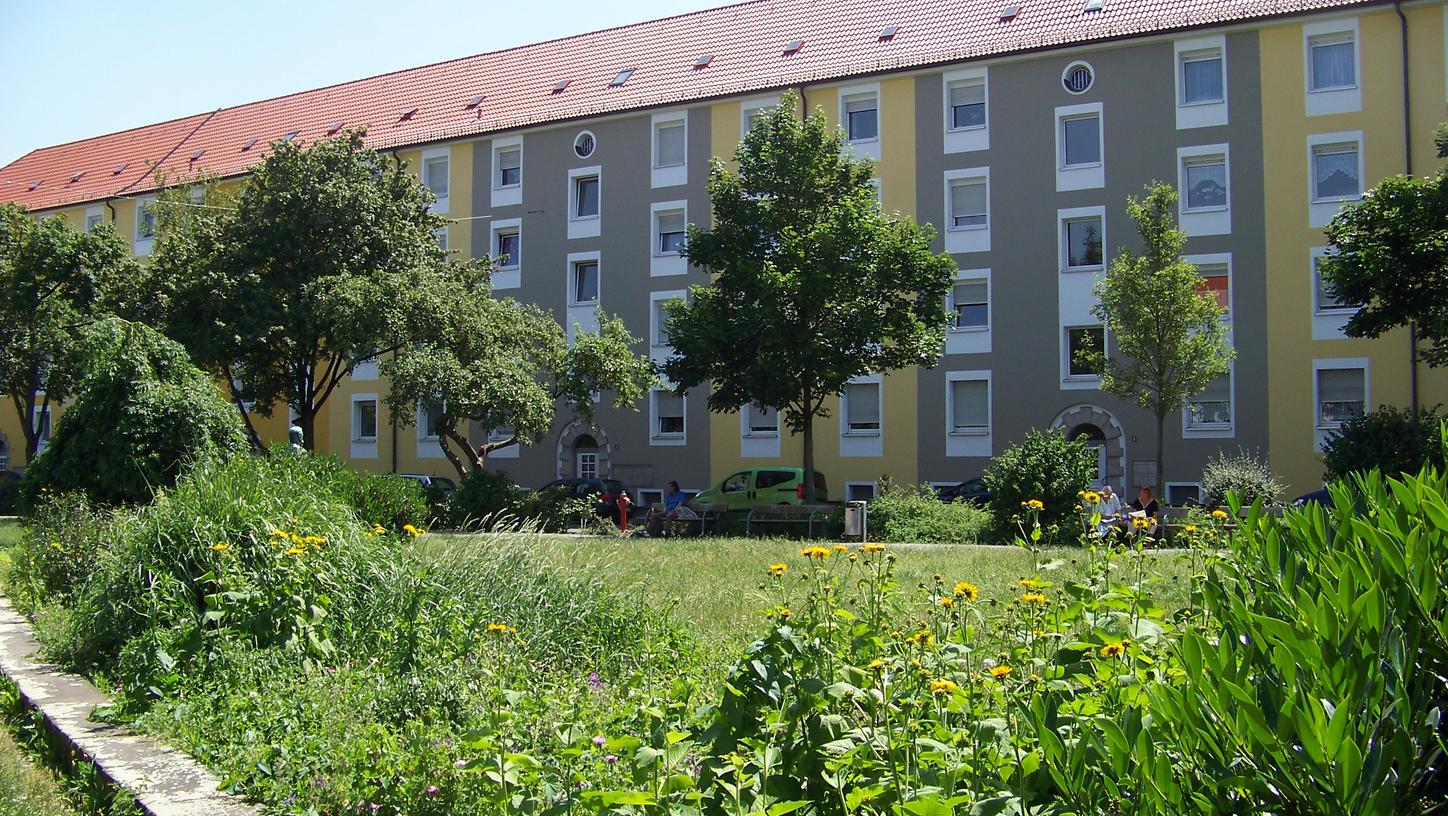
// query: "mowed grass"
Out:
[714,584]
[26,788]
[9,533]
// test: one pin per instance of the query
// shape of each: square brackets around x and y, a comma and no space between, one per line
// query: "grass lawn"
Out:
[9,533]
[27,789]
[715,582]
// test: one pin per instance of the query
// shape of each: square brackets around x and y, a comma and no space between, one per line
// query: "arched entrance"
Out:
[583,452]
[1102,432]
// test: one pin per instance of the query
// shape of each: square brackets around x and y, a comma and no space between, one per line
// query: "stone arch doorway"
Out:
[1101,431]
[583,452]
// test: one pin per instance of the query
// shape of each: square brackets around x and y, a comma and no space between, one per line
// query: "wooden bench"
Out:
[705,516]
[804,514]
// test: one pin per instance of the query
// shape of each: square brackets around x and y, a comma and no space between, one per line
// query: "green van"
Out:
[759,486]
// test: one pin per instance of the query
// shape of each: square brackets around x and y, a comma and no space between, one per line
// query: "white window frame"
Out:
[512,194]
[143,244]
[431,156]
[878,383]
[1204,220]
[1218,259]
[423,434]
[1166,499]
[95,218]
[583,315]
[42,422]
[868,148]
[573,266]
[1063,244]
[863,443]
[658,438]
[1343,99]
[952,305]
[655,212]
[1327,324]
[363,447]
[441,236]
[660,264]
[1322,430]
[1214,430]
[974,442]
[749,106]
[1322,210]
[968,238]
[584,226]
[975,137]
[668,175]
[658,344]
[1199,114]
[1080,176]
[748,425]
[1079,380]
[511,275]
[971,339]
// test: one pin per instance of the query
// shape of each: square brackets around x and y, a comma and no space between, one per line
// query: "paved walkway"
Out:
[165,782]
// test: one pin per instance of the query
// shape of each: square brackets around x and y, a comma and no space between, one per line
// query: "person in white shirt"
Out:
[1109,507]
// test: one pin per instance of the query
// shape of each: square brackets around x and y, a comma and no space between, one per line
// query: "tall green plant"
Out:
[1043,467]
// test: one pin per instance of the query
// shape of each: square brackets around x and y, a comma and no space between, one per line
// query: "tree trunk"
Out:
[1160,486]
[240,403]
[307,421]
[809,482]
[443,436]
[25,409]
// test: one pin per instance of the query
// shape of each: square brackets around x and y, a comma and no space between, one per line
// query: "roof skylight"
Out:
[1094,5]
[120,167]
[408,114]
[475,101]
[334,127]
[74,177]
[197,154]
[793,47]
[703,60]
[248,144]
[1009,13]
[621,78]
[888,32]
[34,185]
[562,83]
[291,134]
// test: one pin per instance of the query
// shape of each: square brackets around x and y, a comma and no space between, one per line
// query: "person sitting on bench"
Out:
[675,507]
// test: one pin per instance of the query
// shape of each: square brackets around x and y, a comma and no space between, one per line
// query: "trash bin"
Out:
[855,512]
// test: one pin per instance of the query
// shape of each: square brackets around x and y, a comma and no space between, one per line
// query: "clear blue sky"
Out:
[78,68]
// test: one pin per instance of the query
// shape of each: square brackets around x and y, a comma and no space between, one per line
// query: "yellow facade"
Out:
[1289,237]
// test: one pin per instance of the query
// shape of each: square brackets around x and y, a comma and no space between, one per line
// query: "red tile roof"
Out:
[747,42]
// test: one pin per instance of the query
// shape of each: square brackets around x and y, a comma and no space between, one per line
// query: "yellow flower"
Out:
[784,612]
[1092,497]
[1033,598]
[1140,523]
[873,548]
[1035,504]
[296,550]
[1001,671]
[378,529]
[280,534]
[942,687]
[1191,528]
[840,548]
[1219,514]
[220,547]
[815,552]
[968,591]
[878,664]
[947,602]
[1029,583]
[1113,650]
[922,638]
[497,629]
[412,531]
[778,569]
[55,545]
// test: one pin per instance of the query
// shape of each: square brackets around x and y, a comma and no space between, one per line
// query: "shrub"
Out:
[1390,440]
[1045,467]
[9,492]
[141,415]
[1242,473]
[554,511]
[905,512]
[483,499]
[57,552]
[389,500]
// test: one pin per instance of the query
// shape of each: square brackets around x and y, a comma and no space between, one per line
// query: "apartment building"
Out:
[1016,129]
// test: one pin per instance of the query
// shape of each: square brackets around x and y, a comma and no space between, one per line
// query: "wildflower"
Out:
[947,602]
[296,550]
[497,629]
[853,558]
[220,547]
[600,741]
[1000,671]
[412,531]
[778,569]
[965,589]
[1140,523]
[922,638]
[1219,514]
[1035,504]
[280,534]
[815,552]
[873,548]
[378,529]
[610,758]
[55,545]
[942,687]
[1029,583]
[461,763]
[878,664]
[840,548]
[1092,497]
[1113,650]
[784,612]
[432,790]
[1033,598]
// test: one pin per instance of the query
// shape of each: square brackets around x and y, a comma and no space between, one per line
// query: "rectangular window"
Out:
[145,219]
[1078,340]
[1213,407]
[1333,62]
[509,250]
[661,320]
[1081,141]
[1341,394]
[763,421]
[967,104]
[862,117]
[1324,300]
[364,420]
[440,235]
[669,225]
[435,176]
[429,417]
[510,167]
[862,408]
[1083,243]
[1217,283]
[41,424]
[585,283]
[585,197]
[1335,173]
[968,199]
[93,222]
[969,406]
[668,414]
[969,303]
[1180,493]
[1205,181]
[669,143]
[1202,77]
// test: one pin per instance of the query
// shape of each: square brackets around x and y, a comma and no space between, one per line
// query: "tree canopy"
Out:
[1168,332]
[53,280]
[813,284]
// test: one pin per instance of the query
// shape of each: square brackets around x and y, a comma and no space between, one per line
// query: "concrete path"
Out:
[165,782]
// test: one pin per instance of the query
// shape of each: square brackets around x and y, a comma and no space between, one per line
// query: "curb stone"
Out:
[165,781]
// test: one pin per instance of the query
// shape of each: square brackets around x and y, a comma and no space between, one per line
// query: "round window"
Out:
[583,145]
[1078,77]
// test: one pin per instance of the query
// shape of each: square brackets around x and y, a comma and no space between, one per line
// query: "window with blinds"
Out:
[1213,407]
[862,117]
[668,414]
[1341,394]
[967,104]
[1333,62]
[510,168]
[969,406]
[968,203]
[669,144]
[862,408]
[435,176]
[762,420]
[969,305]
[670,229]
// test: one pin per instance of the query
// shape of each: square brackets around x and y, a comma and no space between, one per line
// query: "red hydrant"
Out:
[623,506]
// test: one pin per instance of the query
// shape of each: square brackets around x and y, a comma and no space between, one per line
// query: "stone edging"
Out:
[165,782]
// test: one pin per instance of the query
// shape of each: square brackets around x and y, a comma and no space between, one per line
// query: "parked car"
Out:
[758,486]
[441,483]
[606,491]
[1317,496]
[972,491]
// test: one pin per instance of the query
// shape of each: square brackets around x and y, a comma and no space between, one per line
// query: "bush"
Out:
[1242,473]
[389,500]
[483,499]
[141,415]
[556,511]
[57,553]
[1390,440]
[905,512]
[9,492]
[1045,467]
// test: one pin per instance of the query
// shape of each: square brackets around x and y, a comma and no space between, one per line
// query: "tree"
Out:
[313,268]
[1390,255]
[813,285]
[53,280]
[1389,440]
[504,366]
[1170,341]
[141,415]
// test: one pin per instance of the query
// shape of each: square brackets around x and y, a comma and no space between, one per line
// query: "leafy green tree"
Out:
[53,280]
[313,268]
[1048,468]
[504,366]
[1168,332]
[141,415]
[1389,440]
[813,284]
[1390,254]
